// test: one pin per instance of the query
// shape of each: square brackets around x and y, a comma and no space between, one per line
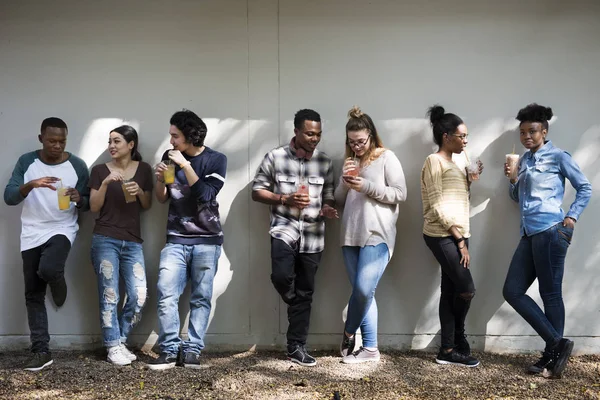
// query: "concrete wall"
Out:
[247,67]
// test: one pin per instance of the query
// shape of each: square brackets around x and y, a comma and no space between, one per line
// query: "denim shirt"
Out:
[540,188]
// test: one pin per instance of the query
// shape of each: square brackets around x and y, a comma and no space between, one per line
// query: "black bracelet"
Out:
[462,239]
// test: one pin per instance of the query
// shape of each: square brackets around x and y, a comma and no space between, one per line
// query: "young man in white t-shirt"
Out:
[47,231]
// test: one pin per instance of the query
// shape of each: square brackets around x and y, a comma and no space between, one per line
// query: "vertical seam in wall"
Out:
[278,132]
[278,81]
[248,165]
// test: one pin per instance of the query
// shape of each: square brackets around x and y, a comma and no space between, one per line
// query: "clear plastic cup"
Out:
[129,198]
[302,187]
[169,173]
[513,163]
[473,170]
[353,170]
[64,200]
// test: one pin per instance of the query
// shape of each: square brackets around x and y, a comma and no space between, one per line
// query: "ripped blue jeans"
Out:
[114,259]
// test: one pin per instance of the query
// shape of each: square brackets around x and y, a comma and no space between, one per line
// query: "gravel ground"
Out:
[267,375]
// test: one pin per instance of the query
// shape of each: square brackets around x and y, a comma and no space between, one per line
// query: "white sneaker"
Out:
[117,356]
[362,355]
[128,353]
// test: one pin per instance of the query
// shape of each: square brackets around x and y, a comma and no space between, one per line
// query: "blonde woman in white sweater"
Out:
[370,188]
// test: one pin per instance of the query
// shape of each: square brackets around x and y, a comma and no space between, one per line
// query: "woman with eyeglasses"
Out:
[546,232]
[445,196]
[370,188]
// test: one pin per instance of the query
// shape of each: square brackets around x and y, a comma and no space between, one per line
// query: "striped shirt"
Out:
[280,172]
[445,196]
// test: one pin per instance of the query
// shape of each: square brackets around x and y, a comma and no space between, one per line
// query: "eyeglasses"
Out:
[358,143]
[461,137]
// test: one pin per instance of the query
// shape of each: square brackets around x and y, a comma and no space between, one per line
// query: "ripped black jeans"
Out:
[457,288]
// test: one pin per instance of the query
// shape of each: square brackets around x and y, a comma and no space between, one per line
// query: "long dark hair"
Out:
[130,135]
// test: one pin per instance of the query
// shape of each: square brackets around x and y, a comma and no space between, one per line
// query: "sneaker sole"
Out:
[444,362]
[561,363]
[161,367]
[194,366]
[120,364]
[359,361]
[302,363]
[33,369]
[533,370]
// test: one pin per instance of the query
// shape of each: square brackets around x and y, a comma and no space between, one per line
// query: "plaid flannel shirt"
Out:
[280,172]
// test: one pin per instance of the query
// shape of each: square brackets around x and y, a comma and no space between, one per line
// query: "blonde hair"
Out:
[357,121]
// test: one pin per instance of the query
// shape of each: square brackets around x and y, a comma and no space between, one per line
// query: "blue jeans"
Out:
[114,258]
[540,256]
[178,263]
[365,266]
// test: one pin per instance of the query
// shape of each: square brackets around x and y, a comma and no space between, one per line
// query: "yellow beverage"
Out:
[64,200]
[169,174]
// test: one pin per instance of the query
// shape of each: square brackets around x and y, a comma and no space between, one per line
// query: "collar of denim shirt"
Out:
[546,148]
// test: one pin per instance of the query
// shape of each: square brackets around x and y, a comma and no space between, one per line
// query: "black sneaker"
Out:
[456,358]
[164,361]
[59,291]
[347,345]
[192,360]
[298,354]
[462,344]
[39,361]
[560,356]
[542,363]
[180,358]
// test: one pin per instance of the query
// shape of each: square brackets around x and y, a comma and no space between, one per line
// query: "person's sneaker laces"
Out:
[128,353]
[191,360]
[542,363]
[164,361]
[362,355]
[299,355]
[347,345]
[59,291]
[117,356]
[39,361]
[560,356]
[462,344]
[456,358]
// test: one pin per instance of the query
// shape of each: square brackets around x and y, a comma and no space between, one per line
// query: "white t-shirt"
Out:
[41,218]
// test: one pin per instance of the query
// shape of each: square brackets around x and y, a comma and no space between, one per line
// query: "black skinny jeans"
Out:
[457,288]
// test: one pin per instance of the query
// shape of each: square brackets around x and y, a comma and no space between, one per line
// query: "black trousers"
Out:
[293,275]
[42,265]
[457,285]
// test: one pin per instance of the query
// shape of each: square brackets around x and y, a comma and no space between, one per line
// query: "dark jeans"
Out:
[457,288]
[293,275]
[540,256]
[41,265]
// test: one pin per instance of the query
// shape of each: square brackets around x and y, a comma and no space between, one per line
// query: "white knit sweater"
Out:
[369,216]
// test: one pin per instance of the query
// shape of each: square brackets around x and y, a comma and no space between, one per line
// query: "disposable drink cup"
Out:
[129,198]
[473,171]
[353,170]
[169,173]
[303,187]
[513,162]
[64,200]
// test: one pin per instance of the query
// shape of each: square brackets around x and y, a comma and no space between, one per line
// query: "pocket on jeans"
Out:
[564,232]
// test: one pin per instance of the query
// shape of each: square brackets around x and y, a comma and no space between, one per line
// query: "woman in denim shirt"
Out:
[546,234]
